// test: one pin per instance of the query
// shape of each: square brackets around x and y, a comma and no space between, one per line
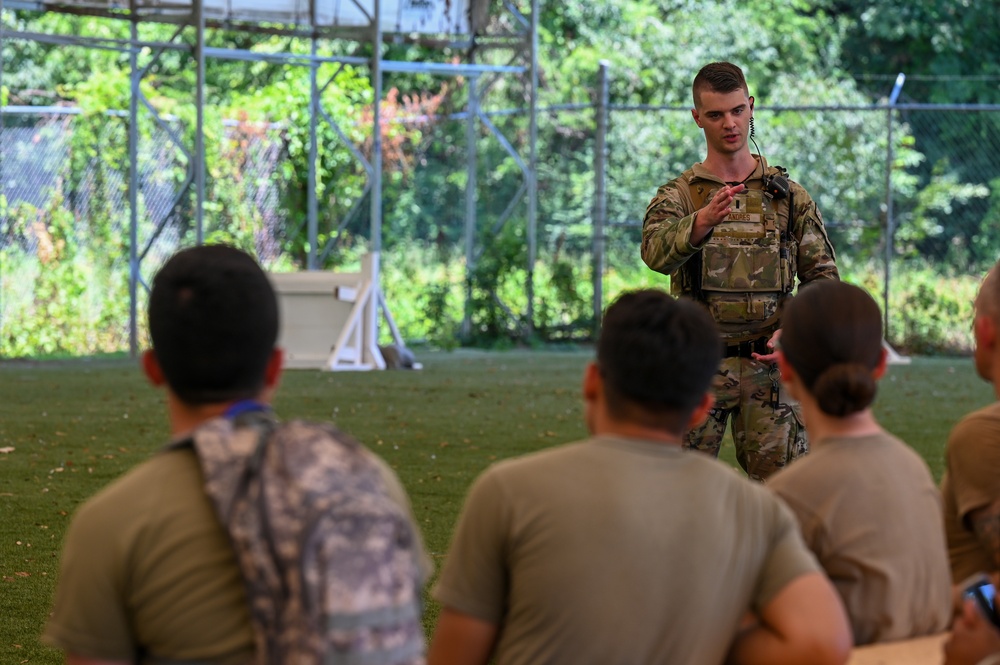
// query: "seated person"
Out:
[971,484]
[626,548]
[149,574]
[866,502]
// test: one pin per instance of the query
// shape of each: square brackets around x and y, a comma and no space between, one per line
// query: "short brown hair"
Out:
[658,356]
[718,77]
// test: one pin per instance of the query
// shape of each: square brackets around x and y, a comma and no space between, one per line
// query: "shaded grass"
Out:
[76,425]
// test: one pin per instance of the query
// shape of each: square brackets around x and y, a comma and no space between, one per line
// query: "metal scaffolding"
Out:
[316,25]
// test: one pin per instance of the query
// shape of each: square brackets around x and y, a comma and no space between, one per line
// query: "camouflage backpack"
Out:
[329,559]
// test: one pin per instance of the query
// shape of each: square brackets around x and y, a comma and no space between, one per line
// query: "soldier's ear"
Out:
[592,382]
[985,331]
[151,368]
[272,374]
[883,363]
[788,376]
[700,413]
[784,367]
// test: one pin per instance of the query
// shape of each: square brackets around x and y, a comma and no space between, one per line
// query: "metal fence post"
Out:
[3,212]
[199,133]
[133,191]
[472,111]
[600,192]
[312,206]
[532,172]
[889,230]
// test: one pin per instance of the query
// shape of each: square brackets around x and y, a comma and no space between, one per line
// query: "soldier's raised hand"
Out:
[714,212]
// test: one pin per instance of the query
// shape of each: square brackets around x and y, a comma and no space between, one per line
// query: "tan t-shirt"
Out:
[617,550]
[870,511]
[971,481]
[146,563]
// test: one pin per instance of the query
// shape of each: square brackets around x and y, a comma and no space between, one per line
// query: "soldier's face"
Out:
[725,117]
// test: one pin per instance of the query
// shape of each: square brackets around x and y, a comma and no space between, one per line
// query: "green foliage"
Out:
[423,289]
[930,309]
[497,296]
[64,298]
[935,204]
[933,313]
[794,53]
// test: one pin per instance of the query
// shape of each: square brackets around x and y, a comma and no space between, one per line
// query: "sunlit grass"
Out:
[73,426]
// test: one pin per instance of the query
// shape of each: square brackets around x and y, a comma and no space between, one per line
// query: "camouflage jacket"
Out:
[745,303]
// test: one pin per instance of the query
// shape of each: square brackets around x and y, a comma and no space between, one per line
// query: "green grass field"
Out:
[70,427]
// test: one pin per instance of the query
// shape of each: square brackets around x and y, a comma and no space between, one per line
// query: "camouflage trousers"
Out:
[767,435]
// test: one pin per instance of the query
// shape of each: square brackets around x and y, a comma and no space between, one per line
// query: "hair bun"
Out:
[844,388]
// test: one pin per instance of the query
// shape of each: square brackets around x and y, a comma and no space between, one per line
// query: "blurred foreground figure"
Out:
[866,502]
[971,484]
[202,553]
[626,548]
[971,490]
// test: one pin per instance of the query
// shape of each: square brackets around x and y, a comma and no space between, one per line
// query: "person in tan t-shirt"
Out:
[148,574]
[971,484]
[626,548]
[866,502]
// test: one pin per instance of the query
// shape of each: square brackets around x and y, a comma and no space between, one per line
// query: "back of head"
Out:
[213,319]
[831,334]
[718,77]
[657,356]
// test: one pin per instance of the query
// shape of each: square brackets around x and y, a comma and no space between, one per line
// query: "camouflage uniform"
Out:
[742,271]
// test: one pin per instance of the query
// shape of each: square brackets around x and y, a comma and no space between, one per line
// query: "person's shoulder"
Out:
[140,491]
[163,467]
[725,480]
[798,190]
[971,428]
[679,183]
[990,412]
[803,470]
[901,450]
[539,459]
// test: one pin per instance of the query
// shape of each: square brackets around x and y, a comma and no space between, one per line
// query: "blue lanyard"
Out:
[245,406]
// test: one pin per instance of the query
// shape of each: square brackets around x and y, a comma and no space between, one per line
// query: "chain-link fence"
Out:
[65,245]
[66,229]
[919,240]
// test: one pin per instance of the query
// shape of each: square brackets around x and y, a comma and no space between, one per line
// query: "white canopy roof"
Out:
[453,17]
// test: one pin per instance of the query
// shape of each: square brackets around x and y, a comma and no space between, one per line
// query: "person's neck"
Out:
[822,426]
[636,431]
[731,167]
[185,418]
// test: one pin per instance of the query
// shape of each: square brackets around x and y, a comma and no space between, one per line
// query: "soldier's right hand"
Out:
[714,212]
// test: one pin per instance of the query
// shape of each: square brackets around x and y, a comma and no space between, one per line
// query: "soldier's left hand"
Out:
[772,344]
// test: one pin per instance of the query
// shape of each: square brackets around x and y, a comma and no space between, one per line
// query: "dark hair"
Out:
[832,336]
[718,77]
[213,319]
[657,356]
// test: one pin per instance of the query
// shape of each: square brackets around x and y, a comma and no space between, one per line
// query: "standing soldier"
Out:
[733,233]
